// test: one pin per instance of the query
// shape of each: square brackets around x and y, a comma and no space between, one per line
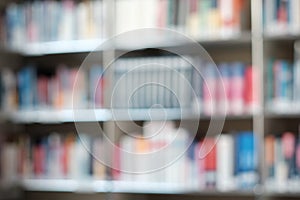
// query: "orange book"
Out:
[67,147]
[237,8]
[269,154]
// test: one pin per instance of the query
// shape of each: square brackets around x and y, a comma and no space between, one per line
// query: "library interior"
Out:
[149,99]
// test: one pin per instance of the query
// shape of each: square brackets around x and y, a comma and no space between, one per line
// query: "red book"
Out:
[282,14]
[251,92]
[39,156]
[99,100]
[288,145]
[200,164]
[116,162]
[66,149]
[210,161]
[42,86]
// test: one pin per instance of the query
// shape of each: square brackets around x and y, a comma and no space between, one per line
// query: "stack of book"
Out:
[66,88]
[282,161]
[281,84]
[227,162]
[54,156]
[198,18]
[281,17]
[228,89]
[174,82]
[41,21]
[162,82]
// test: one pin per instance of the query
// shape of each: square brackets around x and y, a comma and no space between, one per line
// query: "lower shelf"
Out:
[103,186]
[100,186]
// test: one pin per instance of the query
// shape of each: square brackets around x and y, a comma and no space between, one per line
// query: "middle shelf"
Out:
[49,116]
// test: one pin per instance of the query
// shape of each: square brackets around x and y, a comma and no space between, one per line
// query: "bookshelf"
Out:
[249,42]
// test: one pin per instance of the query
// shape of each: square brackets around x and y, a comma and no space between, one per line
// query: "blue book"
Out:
[283,80]
[95,90]
[237,69]
[246,159]
[27,87]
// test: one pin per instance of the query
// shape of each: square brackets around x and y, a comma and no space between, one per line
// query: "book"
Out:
[246,160]
[237,88]
[225,163]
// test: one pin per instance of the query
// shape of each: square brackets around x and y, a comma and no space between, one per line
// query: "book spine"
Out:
[225,163]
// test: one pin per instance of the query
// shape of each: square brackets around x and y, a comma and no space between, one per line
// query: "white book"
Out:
[296,84]
[66,31]
[148,13]
[161,78]
[82,19]
[9,162]
[98,158]
[155,79]
[169,88]
[127,159]
[226,11]
[225,163]
[281,168]
[79,159]
[98,12]
[54,165]
[294,7]
[270,21]
[127,15]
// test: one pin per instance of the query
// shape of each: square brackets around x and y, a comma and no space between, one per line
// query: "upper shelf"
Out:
[156,41]
[49,116]
[57,47]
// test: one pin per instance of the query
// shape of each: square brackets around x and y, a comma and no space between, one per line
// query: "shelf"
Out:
[152,114]
[102,186]
[58,47]
[278,115]
[63,185]
[282,109]
[48,116]
[242,38]
[281,36]
[59,116]
[155,41]
[165,40]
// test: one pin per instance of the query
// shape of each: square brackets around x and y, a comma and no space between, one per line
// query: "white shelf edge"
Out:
[104,186]
[47,116]
[58,47]
[60,116]
[89,45]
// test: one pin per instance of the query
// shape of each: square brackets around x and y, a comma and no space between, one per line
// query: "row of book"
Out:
[70,20]
[54,156]
[173,82]
[228,162]
[282,161]
[281,16]
[283,85]
[144,82]
[39,21]
[66,87]
[229,89]
[159,82]
[198,18]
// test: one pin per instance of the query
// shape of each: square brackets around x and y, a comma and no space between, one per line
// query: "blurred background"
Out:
[151,115]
